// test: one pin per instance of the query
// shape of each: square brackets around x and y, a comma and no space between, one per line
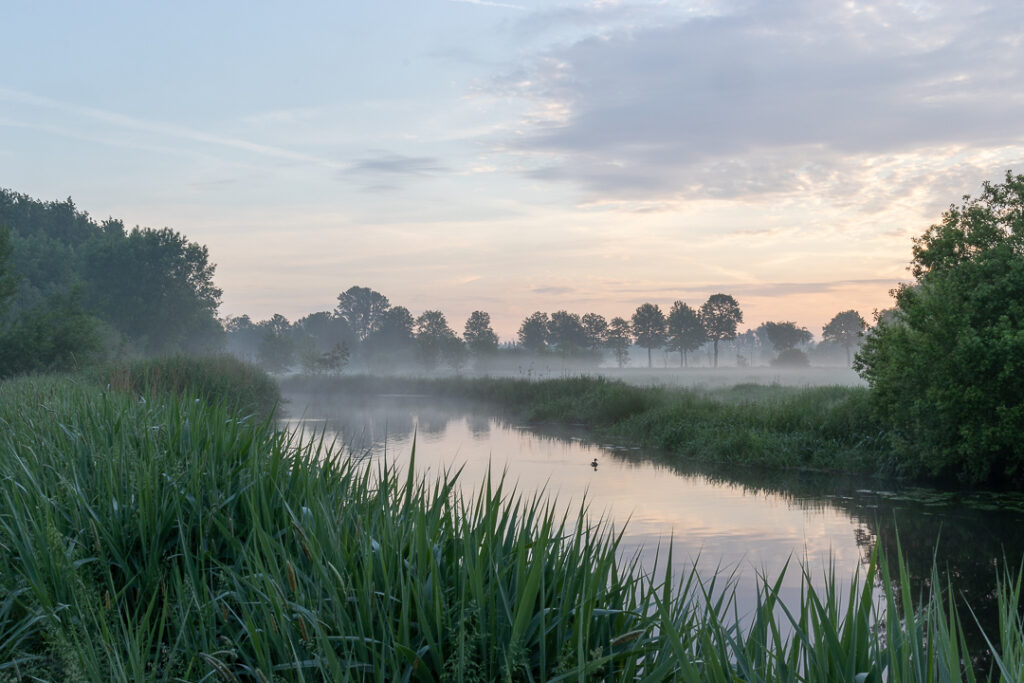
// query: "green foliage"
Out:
[8,276]
[620,338]
[54,335]
[215,380]
[167,539]
[363,309]
[151,288]
[947,368]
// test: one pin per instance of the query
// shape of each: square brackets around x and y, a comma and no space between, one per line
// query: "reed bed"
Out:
[160,537]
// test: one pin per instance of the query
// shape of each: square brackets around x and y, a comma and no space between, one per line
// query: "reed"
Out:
[161,538]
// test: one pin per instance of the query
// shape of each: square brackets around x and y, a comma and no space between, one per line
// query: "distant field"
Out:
[730,376]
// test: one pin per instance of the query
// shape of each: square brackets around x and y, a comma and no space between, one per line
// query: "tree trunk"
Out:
[649,357]
[716,353]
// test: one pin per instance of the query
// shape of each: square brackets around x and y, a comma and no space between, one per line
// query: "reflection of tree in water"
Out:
[970,545]
[479,425]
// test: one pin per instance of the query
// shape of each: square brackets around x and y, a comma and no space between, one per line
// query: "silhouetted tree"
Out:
[363,309]
[845,329]
[685,331]
[720,315]
[277,349]
[480,338]
[649,328]
[434,337]
[326,329]
[619,339]
[785,335]
[533,333]
[566,333]
[595,331]
[394,333]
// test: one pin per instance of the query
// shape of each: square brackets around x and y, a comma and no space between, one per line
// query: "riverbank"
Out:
[828,428]
[159,535]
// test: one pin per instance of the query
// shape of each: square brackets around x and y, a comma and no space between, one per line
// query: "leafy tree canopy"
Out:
[845,329]
[946,367]
[685,330]
[785,335]
[363,309]
[533,333]
[479,336]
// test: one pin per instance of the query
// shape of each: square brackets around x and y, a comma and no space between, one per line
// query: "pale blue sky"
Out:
[521,156]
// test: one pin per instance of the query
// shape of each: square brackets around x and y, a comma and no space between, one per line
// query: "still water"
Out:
[740,523]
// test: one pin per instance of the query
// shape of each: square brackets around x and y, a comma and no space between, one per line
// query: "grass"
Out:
[828,428]
[164,538]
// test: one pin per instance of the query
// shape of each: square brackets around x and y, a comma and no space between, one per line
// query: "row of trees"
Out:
[365,325]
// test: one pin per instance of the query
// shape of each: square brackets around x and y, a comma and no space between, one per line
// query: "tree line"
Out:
[74,290]
[366,326]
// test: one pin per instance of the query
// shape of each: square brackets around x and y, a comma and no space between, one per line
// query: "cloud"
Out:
[399,164]
[770,96]
[554,289]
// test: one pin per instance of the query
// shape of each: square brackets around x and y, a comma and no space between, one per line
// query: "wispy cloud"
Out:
[162,129]
[400,164]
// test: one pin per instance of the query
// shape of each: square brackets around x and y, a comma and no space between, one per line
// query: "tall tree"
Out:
[720,315]
[845,329]
[363,309]
[619,339]
[394,333]
[685,331]
[595,331]
[479,336]
[649,328]
[533,333]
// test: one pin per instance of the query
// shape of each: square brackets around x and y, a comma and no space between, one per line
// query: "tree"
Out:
[363,309]
[595,331]
[685,331]
[946,369]
[480,338]
[277,349]
[649,328]
[533,333]
[620,338]
[393,334]
[153,286]
[846,330]
[434,338]
[566,333]
[720,315]
[784,336]
[55,335]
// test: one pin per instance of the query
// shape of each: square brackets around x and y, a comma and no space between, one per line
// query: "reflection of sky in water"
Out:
[721,523]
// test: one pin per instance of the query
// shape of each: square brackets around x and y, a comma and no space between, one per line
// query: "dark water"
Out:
[740,522]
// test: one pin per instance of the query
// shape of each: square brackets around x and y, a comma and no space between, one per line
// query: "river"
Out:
[739,522]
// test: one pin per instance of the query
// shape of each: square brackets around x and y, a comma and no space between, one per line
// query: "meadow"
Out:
[151,532]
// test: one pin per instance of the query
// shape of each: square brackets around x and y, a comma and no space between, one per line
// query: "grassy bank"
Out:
[822,428]
[171,539]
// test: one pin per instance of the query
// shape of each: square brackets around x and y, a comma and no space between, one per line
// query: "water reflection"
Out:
[737,520]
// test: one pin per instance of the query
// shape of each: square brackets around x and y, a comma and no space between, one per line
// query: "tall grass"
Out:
[169,539]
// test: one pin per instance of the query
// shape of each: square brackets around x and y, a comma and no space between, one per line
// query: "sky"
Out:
[586,155]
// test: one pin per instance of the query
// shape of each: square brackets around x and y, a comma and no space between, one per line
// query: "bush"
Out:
[792,358]
[946,369]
